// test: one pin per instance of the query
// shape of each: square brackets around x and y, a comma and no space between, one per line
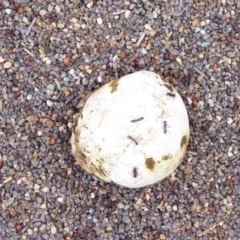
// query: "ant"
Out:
[137,120]
[171,94]
[165,127]
[134,172]
[131,138]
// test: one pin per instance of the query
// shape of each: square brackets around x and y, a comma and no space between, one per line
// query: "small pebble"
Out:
[29,97]
[150,29]
[100,79]
[51,87]
[8,11]
[49,123]
[127,14]
[53,230]
[29,231]
[45,189]
[162,237]
[205,44]
[99,21]
[230,121]
[49,103]
[7,65]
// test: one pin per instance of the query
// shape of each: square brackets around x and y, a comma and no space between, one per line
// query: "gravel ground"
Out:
[53,54]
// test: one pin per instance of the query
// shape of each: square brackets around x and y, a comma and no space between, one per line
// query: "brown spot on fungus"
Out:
[113,85]
[169,87]
[166,157]
[150,163]
[183,141]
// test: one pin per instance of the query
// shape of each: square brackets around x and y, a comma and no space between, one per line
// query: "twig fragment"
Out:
[30,27]
[119,12]
[200,72]
[140,39]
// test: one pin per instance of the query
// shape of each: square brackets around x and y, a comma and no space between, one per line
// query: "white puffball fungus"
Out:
[133,131]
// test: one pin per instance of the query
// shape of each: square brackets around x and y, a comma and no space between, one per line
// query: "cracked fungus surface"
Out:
[133,131]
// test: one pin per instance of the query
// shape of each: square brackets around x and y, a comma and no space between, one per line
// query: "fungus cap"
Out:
[133,131]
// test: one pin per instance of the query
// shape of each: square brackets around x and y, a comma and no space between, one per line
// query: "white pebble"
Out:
[36,187]
[120,205]
[42,12]
[30,231]
[49,103]
[100,79]
[143,51]
[19,181]
[61,129]
[71,72]
[210,102]
[58,9]
[8,11]
[230,121]
[127,13]
[92,195]
[29,97]
[99,21]
[115,58]
[227,83]
[27,195]
[194,184]
[7,65]
[155,15]
[39,133]
[175,208]
[150,29]
[230,154]
[209,117]
[53,230]
[189,100]
[201,104]
[48,62]
[1,59]
[90,4]
[197,29]
[60,200]
[45,189]
[179,61]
